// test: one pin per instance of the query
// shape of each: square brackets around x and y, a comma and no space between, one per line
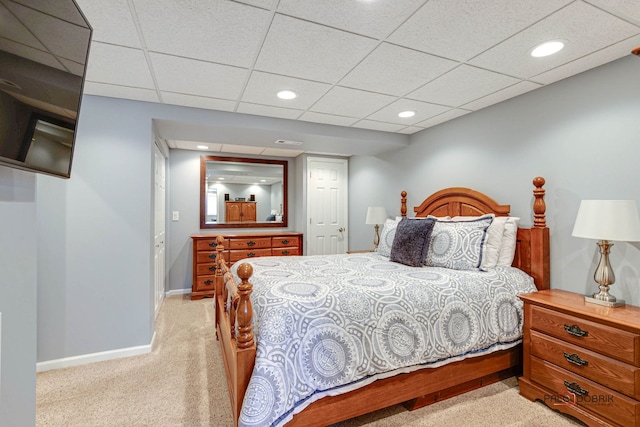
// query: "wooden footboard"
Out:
[235,332]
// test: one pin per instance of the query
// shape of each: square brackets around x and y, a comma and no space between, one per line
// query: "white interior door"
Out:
[159,228]
[327,206]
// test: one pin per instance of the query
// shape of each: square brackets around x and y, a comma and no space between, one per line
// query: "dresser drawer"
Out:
[284,251]
[255,243]
[283,241]
[206,257]
[248,253]
[209,244]
[598,399]
[616,375]
[208,268]
[205,283]
[619,344]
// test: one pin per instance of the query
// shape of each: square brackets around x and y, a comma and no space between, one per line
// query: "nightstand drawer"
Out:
[616,375]
[613,342]
[572,389]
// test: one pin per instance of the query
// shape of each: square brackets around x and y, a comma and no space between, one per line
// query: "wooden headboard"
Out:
[532,246]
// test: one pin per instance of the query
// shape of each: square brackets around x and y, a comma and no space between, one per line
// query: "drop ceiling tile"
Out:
[396,70]
[264,4]
[241,149]
[584,27]
[374,19]
[502,95]
[588,62]
[263,88]
[444,117]
[462,85]
[621,8]
[329,119]
[281,152]
[118,65]
[351,103]
[197,101]
[311,51]
[410,130]
[111,21]
[12,29]
[192,77]
[124,92]
[423,111]
[60,37]
[461,29]
[215,30]
[268,110]
[373,125]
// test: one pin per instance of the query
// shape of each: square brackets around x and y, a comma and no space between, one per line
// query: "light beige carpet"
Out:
[180,383]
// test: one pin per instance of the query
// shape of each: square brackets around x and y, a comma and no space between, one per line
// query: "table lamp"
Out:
[607,220]
[376,215]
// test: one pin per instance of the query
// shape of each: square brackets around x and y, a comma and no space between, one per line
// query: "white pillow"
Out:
[508,247]
[386,237]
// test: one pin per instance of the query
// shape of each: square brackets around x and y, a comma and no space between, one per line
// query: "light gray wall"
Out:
[184,197]
[581,134]
[17,297]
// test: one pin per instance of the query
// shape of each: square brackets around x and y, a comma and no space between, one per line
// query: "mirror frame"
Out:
[203,191]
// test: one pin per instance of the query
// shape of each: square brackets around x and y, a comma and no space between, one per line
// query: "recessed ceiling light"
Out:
[202,147]
[221,178]
[405,114]
[547,48]
[286,94]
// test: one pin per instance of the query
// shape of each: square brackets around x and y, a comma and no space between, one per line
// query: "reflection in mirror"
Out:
[240,193]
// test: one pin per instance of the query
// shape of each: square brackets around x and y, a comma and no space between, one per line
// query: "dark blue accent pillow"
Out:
[412,241]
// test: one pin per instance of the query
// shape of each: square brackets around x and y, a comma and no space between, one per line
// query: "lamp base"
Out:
[592,300]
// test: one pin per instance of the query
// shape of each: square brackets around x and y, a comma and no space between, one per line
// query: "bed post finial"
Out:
[403,204]
[539,207]
[245,310]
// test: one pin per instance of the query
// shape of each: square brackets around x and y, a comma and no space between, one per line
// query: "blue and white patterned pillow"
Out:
[457,244]
[386,237]
[411,243]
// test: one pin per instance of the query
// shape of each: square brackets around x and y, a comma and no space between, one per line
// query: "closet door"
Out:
[327,206]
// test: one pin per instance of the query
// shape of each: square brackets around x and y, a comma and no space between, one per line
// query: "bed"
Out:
[305,368]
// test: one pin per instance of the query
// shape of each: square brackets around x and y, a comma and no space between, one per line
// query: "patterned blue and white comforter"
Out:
[325,325]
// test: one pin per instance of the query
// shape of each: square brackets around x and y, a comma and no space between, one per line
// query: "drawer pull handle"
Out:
[285,242]
[213,256]
[213,244]
[251,243]
[208,282]
[250,254]
[575,331]
[575,359]
[212,268]
[575,388]
[285,252]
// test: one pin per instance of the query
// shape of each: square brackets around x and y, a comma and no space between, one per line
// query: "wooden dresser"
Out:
[236,247]
[582,359]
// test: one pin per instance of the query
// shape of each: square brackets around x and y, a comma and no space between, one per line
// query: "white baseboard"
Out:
[95,357]
[178,292]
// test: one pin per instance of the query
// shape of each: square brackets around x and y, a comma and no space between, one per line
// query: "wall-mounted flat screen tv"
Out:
[44,46]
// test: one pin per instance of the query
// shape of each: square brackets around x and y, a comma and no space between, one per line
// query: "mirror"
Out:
[242,193]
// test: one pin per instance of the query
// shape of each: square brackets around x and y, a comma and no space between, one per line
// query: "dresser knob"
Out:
[250,254]
[251,243]
[213,244]
[212,268]
[208,282]
[575,331]
[213,256]
[575,359]
[285,252]
[285,242]
[575,388]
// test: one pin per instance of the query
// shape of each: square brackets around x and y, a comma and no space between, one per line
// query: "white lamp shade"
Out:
[608,220]
[376,215]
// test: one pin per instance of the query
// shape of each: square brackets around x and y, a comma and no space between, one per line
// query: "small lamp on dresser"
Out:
[607,220]
[376,215]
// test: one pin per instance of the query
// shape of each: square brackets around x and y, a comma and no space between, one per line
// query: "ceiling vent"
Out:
[287,142]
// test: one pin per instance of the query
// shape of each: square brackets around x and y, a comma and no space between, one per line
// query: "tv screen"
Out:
[44,45]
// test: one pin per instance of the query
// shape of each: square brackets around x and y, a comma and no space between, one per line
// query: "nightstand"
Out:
[363,251]
[582,359]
